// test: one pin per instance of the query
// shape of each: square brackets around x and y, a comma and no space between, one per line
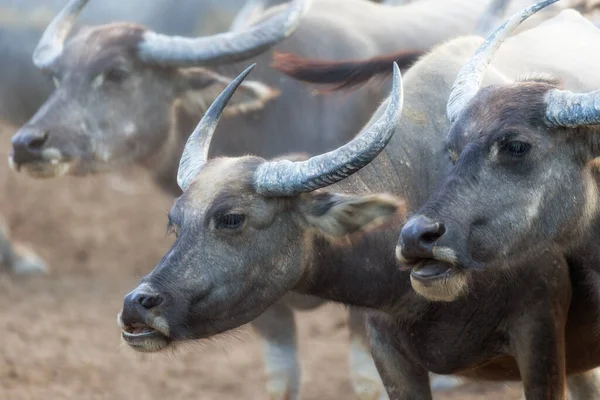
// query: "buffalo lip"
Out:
[431,270]
[138,333]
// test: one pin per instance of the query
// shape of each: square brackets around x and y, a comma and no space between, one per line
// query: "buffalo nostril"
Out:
[28,144]
[434,234]
[149,301]
[36,142]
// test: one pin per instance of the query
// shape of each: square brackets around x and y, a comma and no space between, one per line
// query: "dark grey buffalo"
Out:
[126,94]
[524,183]
[249,230]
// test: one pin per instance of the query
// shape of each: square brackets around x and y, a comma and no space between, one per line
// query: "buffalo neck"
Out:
[362,271]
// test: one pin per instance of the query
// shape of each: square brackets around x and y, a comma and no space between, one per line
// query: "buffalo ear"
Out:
[338,215]
[199,87]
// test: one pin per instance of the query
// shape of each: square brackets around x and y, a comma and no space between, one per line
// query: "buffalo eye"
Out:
[230,221]
[116,75]
[516,148]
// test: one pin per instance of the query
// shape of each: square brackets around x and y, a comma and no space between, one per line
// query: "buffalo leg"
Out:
[18,258]
[403,379]
[583,386]
[363,373]
[540,354]
[277,329]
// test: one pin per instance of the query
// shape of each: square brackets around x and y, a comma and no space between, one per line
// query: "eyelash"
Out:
[516,148]
[230,221]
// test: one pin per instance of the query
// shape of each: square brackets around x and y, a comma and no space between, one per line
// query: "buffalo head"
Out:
[119,86]
[524,178]
[243,231]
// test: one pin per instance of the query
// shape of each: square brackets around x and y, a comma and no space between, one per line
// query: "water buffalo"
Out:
[129,95]
[525,178]
[249,230]
[23,89]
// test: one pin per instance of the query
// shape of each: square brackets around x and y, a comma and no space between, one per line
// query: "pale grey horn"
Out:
[229,47]
[195,152]
[51,43]
[287,178]
[471,75]
[248,13]
[568,109]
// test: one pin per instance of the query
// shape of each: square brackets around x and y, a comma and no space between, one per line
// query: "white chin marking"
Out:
[445,289]
[53,169]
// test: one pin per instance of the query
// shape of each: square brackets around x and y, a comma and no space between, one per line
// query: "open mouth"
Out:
[432,270]
[42,169]
[144,338]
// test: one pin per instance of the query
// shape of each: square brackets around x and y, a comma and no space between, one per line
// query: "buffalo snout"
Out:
[137,304]
[418,238]
[142,326]
[27,145]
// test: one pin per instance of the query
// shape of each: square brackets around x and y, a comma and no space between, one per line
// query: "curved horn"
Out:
[195,152]
[568,109]
[287,178]
[223,47]
[469,78]
[50,45]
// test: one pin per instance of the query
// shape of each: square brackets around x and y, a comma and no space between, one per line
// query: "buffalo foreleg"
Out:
[277,329]
[402,378]
[539,348]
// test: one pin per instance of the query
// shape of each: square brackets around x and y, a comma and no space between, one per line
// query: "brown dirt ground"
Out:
[58,337]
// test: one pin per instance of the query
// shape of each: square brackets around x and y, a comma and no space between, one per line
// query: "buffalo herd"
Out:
[430,164]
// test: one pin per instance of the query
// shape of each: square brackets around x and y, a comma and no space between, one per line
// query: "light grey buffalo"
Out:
[23,89]
[248,230]
[126,94]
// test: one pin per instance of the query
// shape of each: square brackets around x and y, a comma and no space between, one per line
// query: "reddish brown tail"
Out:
[342,75]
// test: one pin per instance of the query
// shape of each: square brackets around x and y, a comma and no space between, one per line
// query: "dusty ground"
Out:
[58,337]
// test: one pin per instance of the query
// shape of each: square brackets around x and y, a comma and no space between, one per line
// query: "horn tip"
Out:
[245,73]
[397,87]
[397,73]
